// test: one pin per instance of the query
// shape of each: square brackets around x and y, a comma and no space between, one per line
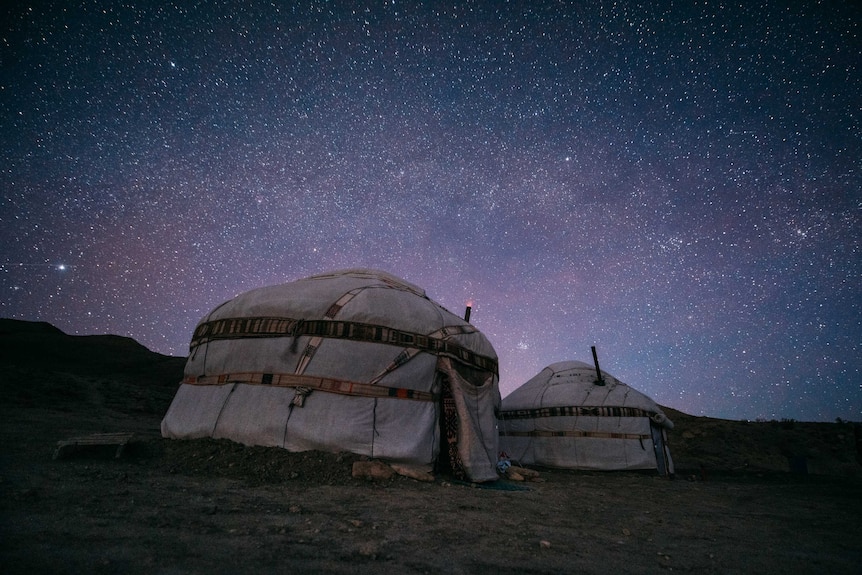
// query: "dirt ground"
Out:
[216,507]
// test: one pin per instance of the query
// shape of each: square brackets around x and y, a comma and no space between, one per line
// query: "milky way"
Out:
[679,187]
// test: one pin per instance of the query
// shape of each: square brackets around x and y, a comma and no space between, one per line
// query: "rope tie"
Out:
[300,395]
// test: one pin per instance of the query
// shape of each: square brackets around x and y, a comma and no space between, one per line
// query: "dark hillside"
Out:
[43,367]
[706,445]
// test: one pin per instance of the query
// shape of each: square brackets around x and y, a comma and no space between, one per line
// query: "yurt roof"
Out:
[573,383]
[398,304]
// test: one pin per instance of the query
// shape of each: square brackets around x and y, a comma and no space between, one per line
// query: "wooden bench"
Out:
[120,440]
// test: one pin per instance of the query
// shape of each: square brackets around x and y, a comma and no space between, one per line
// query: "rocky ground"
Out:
[777,497]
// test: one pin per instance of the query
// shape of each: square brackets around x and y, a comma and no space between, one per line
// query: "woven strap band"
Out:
[574,410]
[310,382]
[266,327]
[574,433]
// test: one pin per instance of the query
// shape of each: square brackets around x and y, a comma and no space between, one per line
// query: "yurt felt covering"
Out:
[562,418]
[356,360]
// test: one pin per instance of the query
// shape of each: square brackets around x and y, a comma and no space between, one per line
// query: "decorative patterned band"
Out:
[574,433]
[574,410]
[263,327]
[310,382]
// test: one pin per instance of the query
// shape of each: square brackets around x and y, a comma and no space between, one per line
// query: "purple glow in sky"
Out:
[678,186]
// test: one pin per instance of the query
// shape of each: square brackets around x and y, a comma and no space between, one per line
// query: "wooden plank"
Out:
[120,439]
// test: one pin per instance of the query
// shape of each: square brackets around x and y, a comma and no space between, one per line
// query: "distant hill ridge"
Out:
[44,347]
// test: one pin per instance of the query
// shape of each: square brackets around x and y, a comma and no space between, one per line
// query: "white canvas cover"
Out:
[562,418]
[356,360]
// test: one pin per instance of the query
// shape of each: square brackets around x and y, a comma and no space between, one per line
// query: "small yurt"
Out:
[356,360]
[568,417]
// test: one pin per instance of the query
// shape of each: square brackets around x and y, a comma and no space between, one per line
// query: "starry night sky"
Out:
[677,184]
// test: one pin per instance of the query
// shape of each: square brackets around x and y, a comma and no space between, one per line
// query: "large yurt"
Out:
[573,416]
[356,360]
